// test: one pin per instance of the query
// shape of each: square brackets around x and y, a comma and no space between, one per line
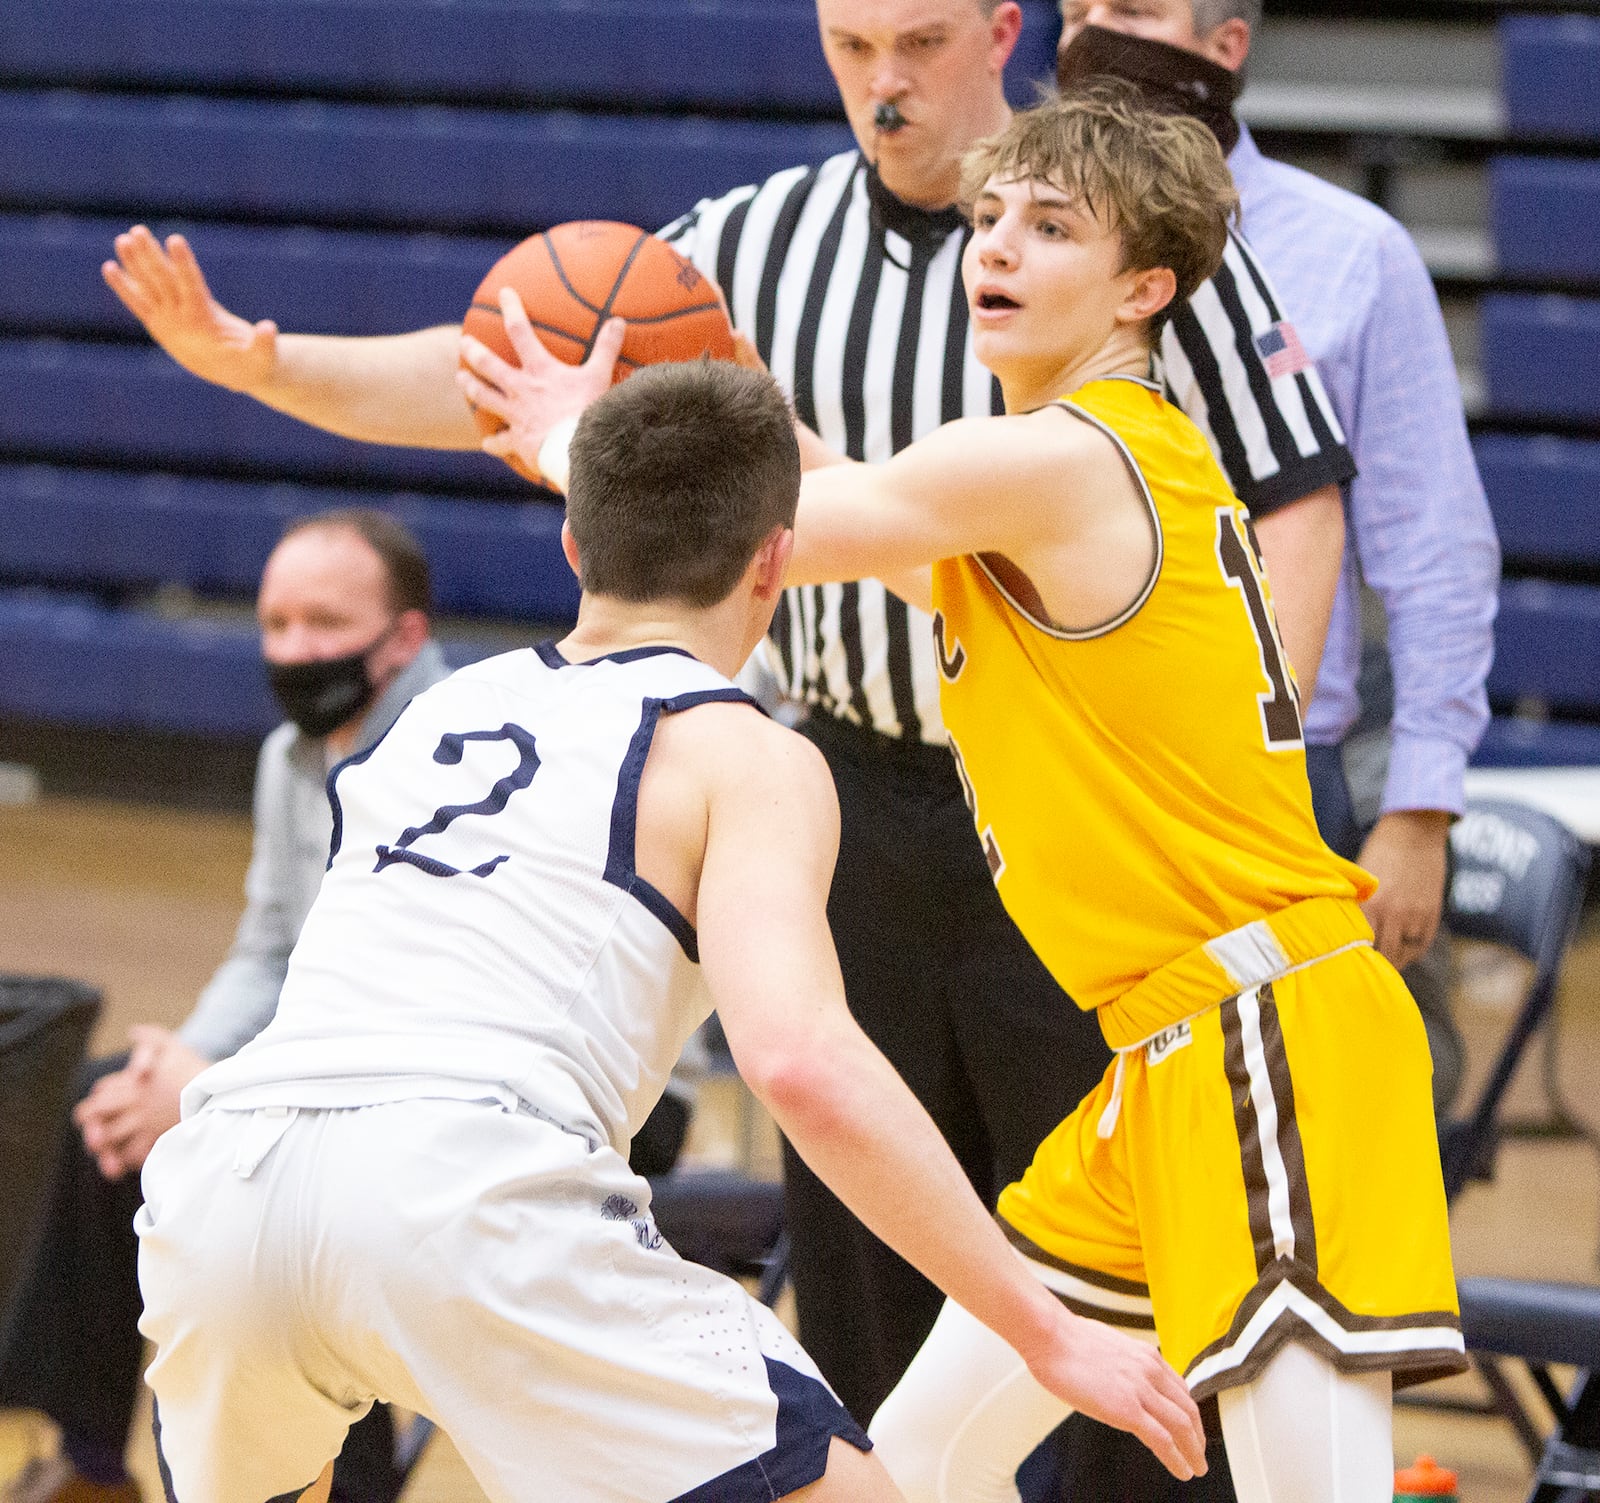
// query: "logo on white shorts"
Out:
[620,1208]
[1164,1045]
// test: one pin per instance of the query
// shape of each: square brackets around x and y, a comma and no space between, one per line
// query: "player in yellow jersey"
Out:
[1256,1182]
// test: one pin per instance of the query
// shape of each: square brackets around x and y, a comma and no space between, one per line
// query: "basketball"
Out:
[574,277]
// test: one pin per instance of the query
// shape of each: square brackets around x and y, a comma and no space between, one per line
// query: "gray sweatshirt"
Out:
[293,827]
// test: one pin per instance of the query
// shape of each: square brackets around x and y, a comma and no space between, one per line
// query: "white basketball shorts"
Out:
[477,1265]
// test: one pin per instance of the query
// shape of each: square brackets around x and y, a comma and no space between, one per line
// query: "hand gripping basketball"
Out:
[536,393]
[574,278]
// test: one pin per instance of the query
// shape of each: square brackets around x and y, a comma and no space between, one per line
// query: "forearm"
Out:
[857,1125]
[389,389]
[852,524]
[1302,545]
[236,1005]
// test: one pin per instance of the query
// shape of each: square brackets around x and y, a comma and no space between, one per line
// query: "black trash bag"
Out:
[45,1023]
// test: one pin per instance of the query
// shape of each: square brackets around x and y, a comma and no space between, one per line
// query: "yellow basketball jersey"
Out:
[1140,788]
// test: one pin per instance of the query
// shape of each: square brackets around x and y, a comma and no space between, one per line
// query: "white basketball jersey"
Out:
[481,928]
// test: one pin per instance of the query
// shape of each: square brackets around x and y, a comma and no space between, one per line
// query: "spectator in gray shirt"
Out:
[344,612]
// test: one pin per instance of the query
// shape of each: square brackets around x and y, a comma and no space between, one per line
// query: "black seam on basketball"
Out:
[663,318]
[561,271]
[535,323]
[611,297]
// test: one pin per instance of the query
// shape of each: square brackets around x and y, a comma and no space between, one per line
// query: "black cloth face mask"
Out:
[1171,80]
[319,697]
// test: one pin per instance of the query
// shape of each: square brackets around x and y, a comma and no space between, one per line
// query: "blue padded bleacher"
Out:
[71,661]
[1550,73]
[1544,492]
[1547,645]
[113,528]
[424,167]
[130,404]
[1545,215]
[754,55]
[1513,741]
[1541,356]
[319,281]
[349,167]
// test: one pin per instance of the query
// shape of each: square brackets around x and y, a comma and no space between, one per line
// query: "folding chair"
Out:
[1539,1324]
[1518,881]
[44,1028]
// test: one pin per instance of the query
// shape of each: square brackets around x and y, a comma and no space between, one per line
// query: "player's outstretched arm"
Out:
[389,389]
[1010,485]
[772,837]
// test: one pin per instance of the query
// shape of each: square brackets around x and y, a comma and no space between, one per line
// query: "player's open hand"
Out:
[1127,1383]
[539,391]
[162,286]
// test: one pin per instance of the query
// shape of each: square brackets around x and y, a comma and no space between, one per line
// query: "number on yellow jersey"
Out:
[1240,558]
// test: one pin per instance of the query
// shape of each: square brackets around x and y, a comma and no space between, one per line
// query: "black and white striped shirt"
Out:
[855,302]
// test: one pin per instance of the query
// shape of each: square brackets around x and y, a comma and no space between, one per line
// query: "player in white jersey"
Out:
[413,1185]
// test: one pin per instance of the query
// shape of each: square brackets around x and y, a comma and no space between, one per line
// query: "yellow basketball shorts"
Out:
[1266,1172]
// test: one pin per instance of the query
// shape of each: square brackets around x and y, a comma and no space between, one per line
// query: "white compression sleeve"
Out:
[966,1415]
[1304,1432]
[555,463]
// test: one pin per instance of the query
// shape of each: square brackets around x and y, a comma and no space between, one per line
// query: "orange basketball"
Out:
[574,277]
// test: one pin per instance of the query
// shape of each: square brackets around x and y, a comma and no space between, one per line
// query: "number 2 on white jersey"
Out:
[448,754]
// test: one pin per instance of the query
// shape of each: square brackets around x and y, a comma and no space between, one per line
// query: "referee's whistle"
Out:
[887,116]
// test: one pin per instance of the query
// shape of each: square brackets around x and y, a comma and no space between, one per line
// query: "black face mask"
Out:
[1171,80]
[319,697]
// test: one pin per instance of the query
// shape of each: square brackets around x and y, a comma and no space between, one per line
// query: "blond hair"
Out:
[1160,181]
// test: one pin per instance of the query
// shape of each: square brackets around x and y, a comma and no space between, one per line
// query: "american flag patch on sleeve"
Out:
[1281,351]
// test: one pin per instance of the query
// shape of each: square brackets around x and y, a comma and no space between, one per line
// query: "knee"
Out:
[932,1463]
[909,1451]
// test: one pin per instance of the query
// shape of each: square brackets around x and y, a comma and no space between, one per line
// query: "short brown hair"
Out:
[678,475]
[1161,181]
[405,565]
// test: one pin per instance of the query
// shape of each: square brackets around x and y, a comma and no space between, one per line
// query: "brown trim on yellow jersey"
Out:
[1031,1250]
[1105,628]
[1250,1093]
[1409,1364]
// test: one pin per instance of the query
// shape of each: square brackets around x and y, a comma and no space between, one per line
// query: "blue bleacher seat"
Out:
[68,660]
[1541,356]
[1547,645]
[1545,495]
[753,55]
[317,281]
[131,404]
[420,167]
[53,662]
[1545,214]
[114,528]
[1551,75]
[1511,741]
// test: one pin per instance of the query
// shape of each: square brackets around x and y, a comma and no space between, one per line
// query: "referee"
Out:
[846,277]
